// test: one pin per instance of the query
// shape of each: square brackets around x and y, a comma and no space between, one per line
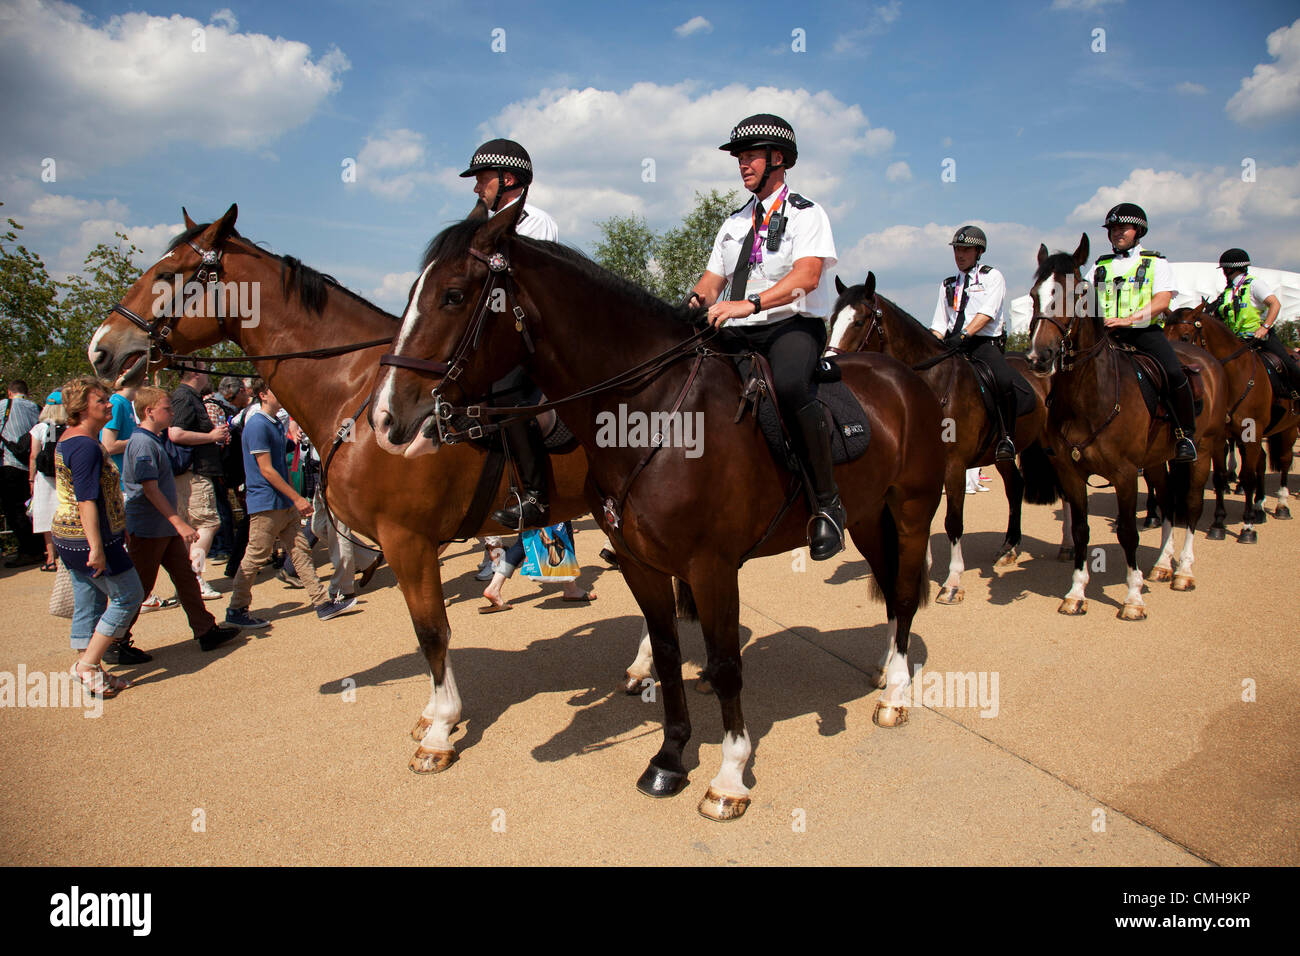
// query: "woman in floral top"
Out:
[89,532]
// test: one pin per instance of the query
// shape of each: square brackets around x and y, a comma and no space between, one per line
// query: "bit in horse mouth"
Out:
[134,368]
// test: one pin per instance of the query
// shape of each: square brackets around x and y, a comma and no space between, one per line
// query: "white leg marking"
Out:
[897,682]
[889,646]
[443,711]
[1080,583]
[730,780]
[1187,557]
[640,667]
[1134,595]
[1166,545]
[955,566]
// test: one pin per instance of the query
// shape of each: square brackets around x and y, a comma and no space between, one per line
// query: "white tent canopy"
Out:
[1194,280]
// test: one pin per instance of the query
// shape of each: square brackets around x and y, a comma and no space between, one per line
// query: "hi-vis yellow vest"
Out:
[1237,310]
[1123,292]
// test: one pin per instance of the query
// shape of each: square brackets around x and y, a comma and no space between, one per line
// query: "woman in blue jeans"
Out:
[89,532]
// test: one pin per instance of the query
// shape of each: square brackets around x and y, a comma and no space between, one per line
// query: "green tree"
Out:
[666,264]
[28,310]
[108,273]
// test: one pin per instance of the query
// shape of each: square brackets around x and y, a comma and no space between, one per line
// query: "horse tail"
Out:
[686,609]
[1180,486]
[1277,449]
[1042,487]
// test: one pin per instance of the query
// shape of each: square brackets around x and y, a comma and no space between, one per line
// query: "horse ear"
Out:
[1042,253]
[1081,253]
[499,226]
[839,286]
[226,224]
[189,223]
[871,284]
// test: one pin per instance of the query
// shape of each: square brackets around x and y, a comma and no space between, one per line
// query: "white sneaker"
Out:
[207,591]
[151,603]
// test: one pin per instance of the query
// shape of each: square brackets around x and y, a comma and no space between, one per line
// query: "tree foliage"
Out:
[668,264]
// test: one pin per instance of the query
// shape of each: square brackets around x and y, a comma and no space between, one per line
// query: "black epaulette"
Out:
[985,270]
[798,201]
[737,212]
[1106,258]
[1152,253]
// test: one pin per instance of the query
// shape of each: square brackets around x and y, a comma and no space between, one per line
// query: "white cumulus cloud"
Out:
[392,291]
[1273,89]
[391,164]
[692,26]
[899,172]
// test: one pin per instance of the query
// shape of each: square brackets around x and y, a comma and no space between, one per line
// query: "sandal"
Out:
[98,682]
[586,598]
[50,566]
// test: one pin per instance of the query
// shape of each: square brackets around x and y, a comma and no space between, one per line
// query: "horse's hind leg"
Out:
[1281,451]
[653,590]
[1074,489]
[1163,569]
[1184,580]
[911,589]
[1216,530]
[1153,518]
[1126,493]
[1015,485]
[869,538]
[1252,482]
[717,596]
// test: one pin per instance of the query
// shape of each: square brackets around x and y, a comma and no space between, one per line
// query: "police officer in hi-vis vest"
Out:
[502,171]
[971,316]
[1249,307]
[1133,288]
[776,253]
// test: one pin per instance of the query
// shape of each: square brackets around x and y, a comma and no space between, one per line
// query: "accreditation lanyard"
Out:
[1236,297]
[760,235]
[957,289]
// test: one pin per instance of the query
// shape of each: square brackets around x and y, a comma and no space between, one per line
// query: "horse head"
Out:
[464,308]
[855,327]
[1059,298]
[178,305]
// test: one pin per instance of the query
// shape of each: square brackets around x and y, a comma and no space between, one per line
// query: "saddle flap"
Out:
[1193,373]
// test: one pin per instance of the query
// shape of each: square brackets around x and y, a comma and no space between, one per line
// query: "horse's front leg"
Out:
[1216,531]
[1015,486]
[1074,488]
[1163,569]
[414,559]
[638,672]
[1126,495]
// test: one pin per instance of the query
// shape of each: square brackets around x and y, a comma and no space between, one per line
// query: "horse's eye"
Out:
[453,297]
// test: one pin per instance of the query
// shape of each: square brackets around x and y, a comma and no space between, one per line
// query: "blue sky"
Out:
[1045,132]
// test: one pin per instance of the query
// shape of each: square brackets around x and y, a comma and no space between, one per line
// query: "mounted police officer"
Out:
[1134,287]
[774,255]
[502,171]
[1250,308]
[971,315]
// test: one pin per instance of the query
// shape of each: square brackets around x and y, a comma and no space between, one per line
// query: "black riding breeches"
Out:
[514,389]
[1152,341]
[986,349]
[793,348]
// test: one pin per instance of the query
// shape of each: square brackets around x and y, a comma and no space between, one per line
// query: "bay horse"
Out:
[1098,424]
[411,507]
[669,513]
[1252,408]
[879,325]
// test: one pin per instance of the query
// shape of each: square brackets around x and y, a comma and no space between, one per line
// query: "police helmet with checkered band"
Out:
[503,155]
[1128,214]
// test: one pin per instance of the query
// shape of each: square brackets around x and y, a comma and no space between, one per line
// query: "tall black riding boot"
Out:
[1184,409]
[527,508]
[826,529]
[1006,446]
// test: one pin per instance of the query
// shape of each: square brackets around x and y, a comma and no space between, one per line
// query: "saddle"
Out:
[850,431]
[1155,384]
[1025,400]
[1285,401]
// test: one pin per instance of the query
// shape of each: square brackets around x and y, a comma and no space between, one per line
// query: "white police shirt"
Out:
[986,294]
[1260,290]
[534,223]
[807,233]
[1162,275]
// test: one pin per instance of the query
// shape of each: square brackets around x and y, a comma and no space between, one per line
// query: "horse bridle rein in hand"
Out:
[209,274]
[500,278]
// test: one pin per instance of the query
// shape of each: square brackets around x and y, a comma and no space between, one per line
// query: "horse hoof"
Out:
[1007,560]
[421,728]
[432,761]
[1151,521]
[1260,516]
[1065,554]
[657,782]
[1132,612]
[887,715]
[1183,582]
[1073,607]
[1214,534]
[882,680]
[721,807]
[1283,513]
[633,685]
[1160,574]
[1248,537]
[950,596]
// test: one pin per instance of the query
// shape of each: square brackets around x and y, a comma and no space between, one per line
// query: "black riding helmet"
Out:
[970,236]
[1128,214]
[502,155]
[1234,259]
[768,131]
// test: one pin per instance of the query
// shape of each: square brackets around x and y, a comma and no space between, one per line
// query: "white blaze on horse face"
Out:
[410,319]
[94,342]
[442,711]
[730,780]
[841,325]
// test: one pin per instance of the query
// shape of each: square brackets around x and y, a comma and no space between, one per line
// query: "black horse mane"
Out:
[454,242]
[1058,263]
[296,277]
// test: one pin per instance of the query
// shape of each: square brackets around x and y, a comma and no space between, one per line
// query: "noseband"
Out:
[160,329]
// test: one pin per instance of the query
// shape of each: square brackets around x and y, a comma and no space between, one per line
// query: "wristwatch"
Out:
[758,306]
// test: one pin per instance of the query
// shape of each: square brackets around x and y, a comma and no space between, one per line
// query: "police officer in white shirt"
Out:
[971,315]
[502,171]
[1133,289]
[776,254]
[1250,308]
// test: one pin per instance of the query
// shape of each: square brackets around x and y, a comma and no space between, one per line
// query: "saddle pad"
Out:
[850,434]
[1025,399]
[1158,409]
